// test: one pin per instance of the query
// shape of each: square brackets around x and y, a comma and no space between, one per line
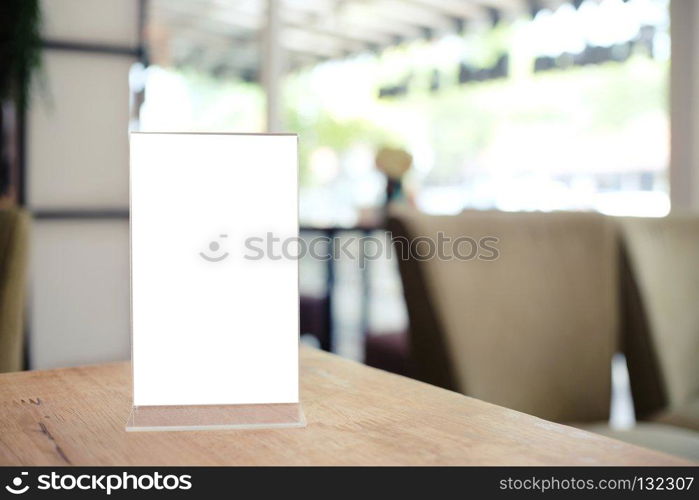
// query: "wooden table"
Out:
[356,415]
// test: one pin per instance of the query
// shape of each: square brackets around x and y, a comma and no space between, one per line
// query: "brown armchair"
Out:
[14,229]
[533,330]
[660,279]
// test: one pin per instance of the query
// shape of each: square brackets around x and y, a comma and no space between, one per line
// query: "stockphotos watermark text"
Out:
[106,483]
[369,248]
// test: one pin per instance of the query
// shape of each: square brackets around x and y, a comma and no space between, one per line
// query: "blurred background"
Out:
[410,113]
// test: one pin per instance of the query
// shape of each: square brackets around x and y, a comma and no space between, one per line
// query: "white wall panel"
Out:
[80,293]
[77,140]
[111,22]
[684,106]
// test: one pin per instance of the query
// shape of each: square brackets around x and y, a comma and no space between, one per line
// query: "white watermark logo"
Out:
[16,488]
[106,483]
[369,248]
[214,252]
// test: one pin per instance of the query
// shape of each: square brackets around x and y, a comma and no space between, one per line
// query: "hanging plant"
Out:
[20,49]
[20,58]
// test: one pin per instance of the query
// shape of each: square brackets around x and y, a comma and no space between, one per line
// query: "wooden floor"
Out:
[356,415]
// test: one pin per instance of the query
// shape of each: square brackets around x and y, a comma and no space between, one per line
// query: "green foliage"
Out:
[320,129]
[20,48]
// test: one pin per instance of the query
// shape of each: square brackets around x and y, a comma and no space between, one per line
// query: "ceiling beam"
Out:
[368,15]
[207,16]
[412,14]
[453,8]
[506,6]
[353,38]
[314,29]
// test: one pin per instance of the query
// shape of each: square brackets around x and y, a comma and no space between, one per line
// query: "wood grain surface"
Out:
[356,415]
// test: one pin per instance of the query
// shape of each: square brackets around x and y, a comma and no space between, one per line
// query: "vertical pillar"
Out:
[272,65]
[684,106]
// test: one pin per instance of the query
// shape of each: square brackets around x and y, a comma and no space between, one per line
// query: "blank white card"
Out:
[214,311]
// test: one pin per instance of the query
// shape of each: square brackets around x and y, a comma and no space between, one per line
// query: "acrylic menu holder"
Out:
[214,318]
[213,417]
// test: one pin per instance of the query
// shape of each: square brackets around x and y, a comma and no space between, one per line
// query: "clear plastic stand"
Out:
[215,417]
[226,333]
